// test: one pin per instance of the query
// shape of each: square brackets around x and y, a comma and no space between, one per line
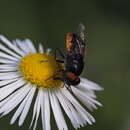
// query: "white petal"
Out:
[3,55]
[14,43]
[88,92]
[7,66]
[27,106]
[84,98]
[47,111]
[9,70]
[3,102]
[31,46]
[20,108]
[89,85]
[48,50]
[80,110]
[23,46]
[8,89]
[60,121]
[9,51]
[5,82]
[9,75]
[42,103]
[7,61]
[36,110]
[40,49]
[10,45]
[18,96]
[69,109]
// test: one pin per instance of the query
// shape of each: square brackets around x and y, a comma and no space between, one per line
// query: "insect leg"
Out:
[59,51]
[68,87]
[61,54]
[53,76]
[64,85]
[58,78]
[60,61]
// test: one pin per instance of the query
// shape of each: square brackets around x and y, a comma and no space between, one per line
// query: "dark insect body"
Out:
[74,58]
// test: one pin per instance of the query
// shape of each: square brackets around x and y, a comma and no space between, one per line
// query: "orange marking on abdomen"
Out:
[69,41]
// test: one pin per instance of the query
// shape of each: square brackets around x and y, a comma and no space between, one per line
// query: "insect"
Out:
[74,57]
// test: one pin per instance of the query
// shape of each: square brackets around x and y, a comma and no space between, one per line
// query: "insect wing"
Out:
[81,31]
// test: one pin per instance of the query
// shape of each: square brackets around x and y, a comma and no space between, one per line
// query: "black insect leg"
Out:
[61,54]
[53,76]
[68,87]
[58,78]
[63,85]
[61,79]
[59,61]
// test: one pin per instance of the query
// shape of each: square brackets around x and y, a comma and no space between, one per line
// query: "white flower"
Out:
[23,74]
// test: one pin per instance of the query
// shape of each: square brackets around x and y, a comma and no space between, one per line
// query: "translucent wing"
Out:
[81,32]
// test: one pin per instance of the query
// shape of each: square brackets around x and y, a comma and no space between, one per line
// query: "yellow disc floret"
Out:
[40,69]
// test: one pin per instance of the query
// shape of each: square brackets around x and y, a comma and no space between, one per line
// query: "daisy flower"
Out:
[23,73]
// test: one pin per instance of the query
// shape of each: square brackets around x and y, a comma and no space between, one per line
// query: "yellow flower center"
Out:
[40,69]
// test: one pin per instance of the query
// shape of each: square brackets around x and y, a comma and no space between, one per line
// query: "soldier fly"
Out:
[74,57]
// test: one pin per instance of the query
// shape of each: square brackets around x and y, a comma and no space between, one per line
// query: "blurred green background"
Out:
[108,52]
